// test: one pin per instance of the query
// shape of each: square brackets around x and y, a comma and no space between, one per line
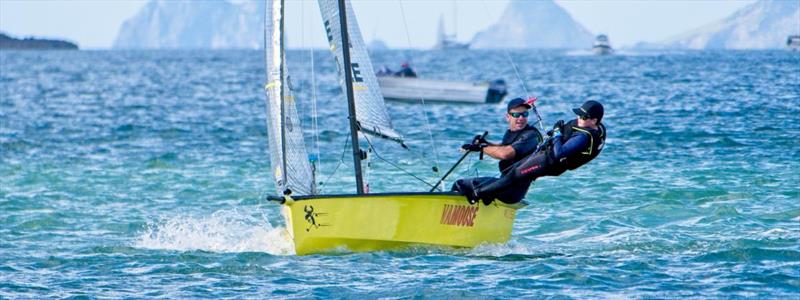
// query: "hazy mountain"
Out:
[170,24]
[762,25]
[533,24]
[377,44]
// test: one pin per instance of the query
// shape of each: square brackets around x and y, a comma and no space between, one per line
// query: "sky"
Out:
[94,24]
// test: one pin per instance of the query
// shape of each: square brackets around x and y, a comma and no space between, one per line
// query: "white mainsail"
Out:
[371,111]
[289,159]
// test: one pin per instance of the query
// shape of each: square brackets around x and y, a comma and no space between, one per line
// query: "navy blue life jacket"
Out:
[597,139]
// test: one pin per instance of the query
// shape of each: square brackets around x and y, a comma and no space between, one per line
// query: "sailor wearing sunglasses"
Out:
[519,141]
[571,145]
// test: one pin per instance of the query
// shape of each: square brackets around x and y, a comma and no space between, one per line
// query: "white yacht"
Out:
[447,41]
[602,46]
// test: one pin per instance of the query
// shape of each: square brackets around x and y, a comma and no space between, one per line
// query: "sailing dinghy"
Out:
[358,222]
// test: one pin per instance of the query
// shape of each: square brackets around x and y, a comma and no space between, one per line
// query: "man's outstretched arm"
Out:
[500,152]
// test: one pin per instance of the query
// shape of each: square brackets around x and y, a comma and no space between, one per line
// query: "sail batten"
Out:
[371,112]
[289,159]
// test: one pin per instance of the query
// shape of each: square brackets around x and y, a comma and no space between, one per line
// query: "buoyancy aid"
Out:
[597,139]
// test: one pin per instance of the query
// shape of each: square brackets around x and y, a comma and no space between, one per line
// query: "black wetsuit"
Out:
[575,148]
[524,142]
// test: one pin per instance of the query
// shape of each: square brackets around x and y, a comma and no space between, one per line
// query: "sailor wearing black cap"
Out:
[519,141]
[571,145]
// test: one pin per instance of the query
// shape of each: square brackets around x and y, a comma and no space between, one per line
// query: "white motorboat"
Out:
[431,90]
[793,42]
[602,46]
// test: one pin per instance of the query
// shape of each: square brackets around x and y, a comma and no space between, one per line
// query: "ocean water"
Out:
[143,175]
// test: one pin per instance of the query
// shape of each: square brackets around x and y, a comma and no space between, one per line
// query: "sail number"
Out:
[353,65]
[356,73]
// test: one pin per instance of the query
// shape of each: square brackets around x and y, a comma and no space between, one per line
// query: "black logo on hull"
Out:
[311,217]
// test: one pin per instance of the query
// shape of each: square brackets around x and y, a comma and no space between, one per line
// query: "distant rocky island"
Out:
[529,24]
[8,42]
[219,24]
[765,24]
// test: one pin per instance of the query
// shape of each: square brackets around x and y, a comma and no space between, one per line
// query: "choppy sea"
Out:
[143,175]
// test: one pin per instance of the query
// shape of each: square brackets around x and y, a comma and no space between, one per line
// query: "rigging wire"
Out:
[422,99]
[341,161]
[314,112]
[519,77]
[393,164]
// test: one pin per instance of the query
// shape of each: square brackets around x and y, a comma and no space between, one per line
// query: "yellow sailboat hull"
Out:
[390,221]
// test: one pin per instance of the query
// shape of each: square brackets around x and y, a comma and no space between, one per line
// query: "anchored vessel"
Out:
[361,221]
[446,41]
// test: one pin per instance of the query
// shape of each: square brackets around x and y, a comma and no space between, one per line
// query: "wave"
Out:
[750,255]
[222,231]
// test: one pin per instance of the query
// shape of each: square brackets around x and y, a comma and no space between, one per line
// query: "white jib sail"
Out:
[371,111]
[290,166]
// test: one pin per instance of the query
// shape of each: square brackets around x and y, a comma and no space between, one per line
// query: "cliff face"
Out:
[762,25]
[533,24]
[7,42]
[215,24]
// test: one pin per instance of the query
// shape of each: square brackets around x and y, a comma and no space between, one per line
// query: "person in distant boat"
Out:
[519,141]
[405,71]
[384,71]
[570,146]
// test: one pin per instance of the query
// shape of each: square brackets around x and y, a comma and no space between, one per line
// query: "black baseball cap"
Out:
[517,102]
[590,109]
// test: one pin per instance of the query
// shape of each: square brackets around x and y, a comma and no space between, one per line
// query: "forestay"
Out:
[371,111]
[289,159]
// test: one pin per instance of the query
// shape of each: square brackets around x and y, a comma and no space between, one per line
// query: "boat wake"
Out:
[512,250]
[579,53]
[223,231]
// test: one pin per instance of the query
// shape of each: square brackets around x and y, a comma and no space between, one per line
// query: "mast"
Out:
[283,103]
[351,105]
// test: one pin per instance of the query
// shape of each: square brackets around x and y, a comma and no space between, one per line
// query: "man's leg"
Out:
[512,194]
[523,173]
[466,186]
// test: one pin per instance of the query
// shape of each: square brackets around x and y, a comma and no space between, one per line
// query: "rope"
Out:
[422,100]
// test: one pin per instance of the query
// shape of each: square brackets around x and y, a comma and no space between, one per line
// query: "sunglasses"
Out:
[519,114]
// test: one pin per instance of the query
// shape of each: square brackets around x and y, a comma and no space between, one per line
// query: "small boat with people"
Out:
[363,221]
[411,89]
[602,46]
[404,85]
